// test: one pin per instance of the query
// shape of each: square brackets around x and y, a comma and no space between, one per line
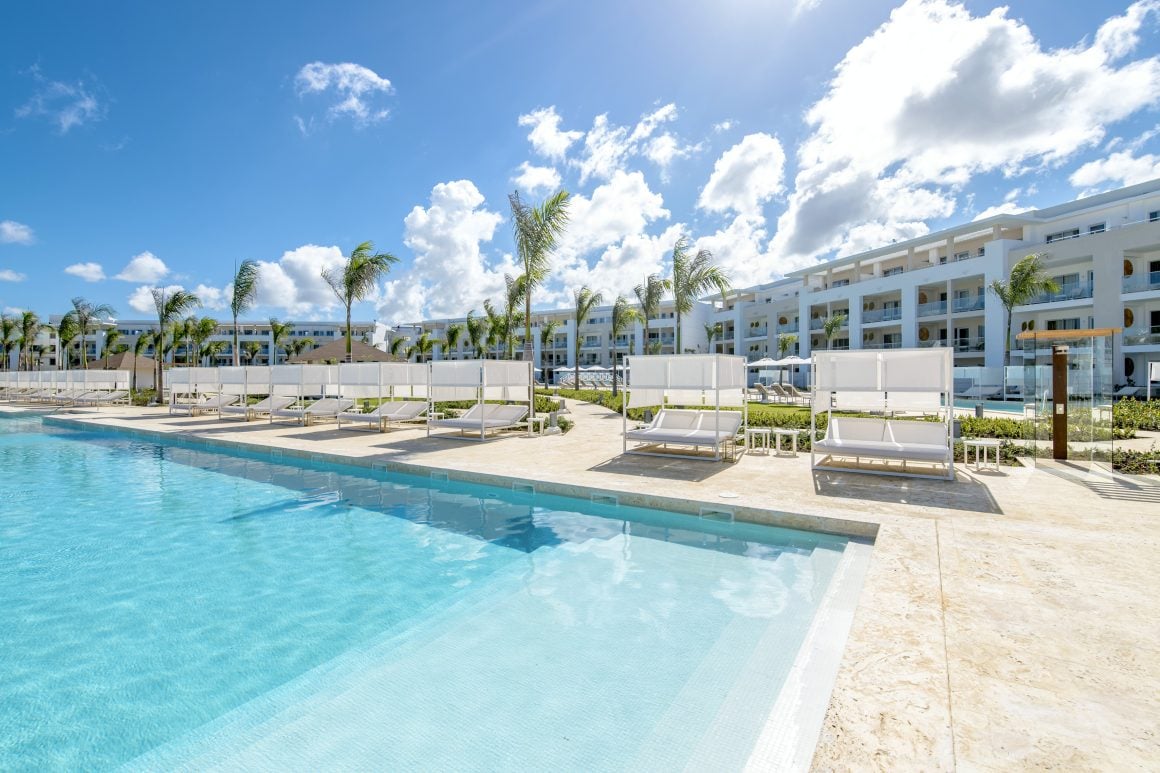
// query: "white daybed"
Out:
[400,388]
[480,381]
[710,381]
[886,383]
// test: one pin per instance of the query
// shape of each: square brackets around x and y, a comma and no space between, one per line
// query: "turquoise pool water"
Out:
[169,607]
[1011,406]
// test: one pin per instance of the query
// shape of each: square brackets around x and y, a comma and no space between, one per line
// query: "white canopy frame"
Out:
[885,382]
[1153,375]
[479,381]
[674,380]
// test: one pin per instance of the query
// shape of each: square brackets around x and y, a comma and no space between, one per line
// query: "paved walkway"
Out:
[1008,620]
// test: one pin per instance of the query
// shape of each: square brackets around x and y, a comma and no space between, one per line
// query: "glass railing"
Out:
[882,315]
[792,327]
[757,332]
[932,309]
[818,324]
[975,303]
[961,345]
[1073,291]
[882,344]
[1142,339]
[1137,284]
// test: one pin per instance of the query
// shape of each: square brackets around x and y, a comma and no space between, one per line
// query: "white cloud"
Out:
[13,310]
[745,177]
[1006,208]
[546,137]
[141,299]
[355,86]
[738,250]
[8,275]
[724,126]
[537,178]
[450,274]
[145,267]
[64,104]
[90,272]
[623,265]
[986,97]
[214,298]
[12,232]
[1120,168]
[294,281]
[607,146]
[804,6]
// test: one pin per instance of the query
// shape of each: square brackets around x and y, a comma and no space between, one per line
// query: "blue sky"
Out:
[146,144]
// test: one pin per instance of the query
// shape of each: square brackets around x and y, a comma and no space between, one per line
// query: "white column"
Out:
[950,314]
[909,318]
[570,331]
[854,320]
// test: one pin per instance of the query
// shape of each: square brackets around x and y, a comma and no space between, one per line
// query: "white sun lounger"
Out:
[205,405]
[326,408]
[103,398]
[694,428]
[484,418]
[885,439]
[381,417]
[260,408]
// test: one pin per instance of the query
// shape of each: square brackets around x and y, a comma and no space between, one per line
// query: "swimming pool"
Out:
[1009,406]
[169,607]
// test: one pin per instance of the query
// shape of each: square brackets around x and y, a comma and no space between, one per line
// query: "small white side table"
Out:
[981,445]
[754,434]
[792,434]
[536,424]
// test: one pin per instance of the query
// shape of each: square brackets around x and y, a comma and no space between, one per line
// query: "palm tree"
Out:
[279,332]
[497,331]
[66,331]
[250,350]
[203,330]
[243,295]
[139,347]
[396,347]
[712,330]
[30,327]
[183,332]
[1027,280]
[536,231]
[423,347]
[295,346]
[547,335]
[784,342]
[110,346]
[585,301]
[831,327]
[515,288]
[693,275]
[650,294]
[451,341]
[623,315]
[85,313]
[7,339]
[358,278]
[477,332]
[170,308]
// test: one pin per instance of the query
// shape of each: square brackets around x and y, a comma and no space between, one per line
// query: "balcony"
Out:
[792,327]
[757,332]
[1142,283]
[935,309]
[1136,338]
[882,344]
[961,345]
[958,306]
[888,314]
[1068,292]
[818,324]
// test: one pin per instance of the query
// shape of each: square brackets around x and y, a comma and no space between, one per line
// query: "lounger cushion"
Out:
[885,439]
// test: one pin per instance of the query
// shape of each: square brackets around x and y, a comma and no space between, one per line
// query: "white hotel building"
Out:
[1103,251]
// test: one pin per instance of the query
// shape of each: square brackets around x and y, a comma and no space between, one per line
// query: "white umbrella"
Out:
[764,362]
[795,360]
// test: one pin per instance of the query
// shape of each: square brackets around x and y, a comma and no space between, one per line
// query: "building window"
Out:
[1071,233]
[962,255]
[1097,228]
[1063,324]
[841,283]
[1154,215]
[981,251]
[894,271]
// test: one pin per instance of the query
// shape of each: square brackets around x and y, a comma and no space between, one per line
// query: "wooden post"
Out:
[1059,402]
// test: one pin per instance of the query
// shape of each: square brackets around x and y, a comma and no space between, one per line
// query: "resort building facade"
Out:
[1103,251]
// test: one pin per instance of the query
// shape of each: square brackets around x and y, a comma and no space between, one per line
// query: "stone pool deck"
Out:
[1008,620]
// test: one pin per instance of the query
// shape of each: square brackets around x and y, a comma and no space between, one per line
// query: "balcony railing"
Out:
[933,309]
[882,315]
[1067,292]
[1142,283]
[757,332]
[882,344]
[961,345]
[818,324]
[958,306]
[1142,338]
[792,327]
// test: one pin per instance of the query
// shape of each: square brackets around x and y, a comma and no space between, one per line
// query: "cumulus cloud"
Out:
[1121,168]
[356,88]
[745,177]
[8,275]
[987,97]
[145,267]
[294,281]
[12,232]
[546,136]
[141,299]
[450,274]
[90,272]
[537,178]
[607,146]
[215,298]
[804,6]
[724,126]
[65,105]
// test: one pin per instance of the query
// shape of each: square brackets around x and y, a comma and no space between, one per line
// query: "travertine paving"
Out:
[1007,622]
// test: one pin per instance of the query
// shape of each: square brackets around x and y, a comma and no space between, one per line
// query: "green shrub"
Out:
[1136,414]
[1136,462]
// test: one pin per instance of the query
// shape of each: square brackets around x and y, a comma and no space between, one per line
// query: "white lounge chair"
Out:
[205,405]
[1127,391]
[103,398]
[793,394]
[484,418]
[381,417]
[885,439]
[326,408]
[694,428]
[258,409]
